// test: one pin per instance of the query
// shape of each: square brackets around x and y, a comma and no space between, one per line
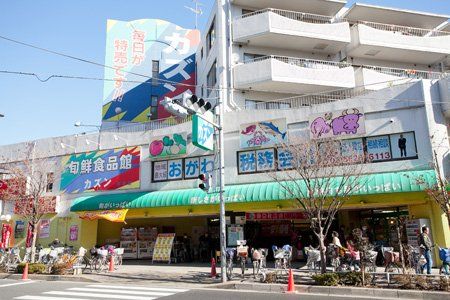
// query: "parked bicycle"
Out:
[259,263]
[444,256]
[242,254]
[230,252]
[283,258]
[391,260]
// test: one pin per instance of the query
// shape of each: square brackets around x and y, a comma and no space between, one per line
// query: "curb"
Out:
[48,277]
[338,291]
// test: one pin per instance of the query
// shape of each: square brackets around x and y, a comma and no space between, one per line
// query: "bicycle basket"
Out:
[242,251]
[119,251]
[279,254]
[256,255]
[102,252]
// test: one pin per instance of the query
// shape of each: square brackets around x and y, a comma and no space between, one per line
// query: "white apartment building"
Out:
[291,62]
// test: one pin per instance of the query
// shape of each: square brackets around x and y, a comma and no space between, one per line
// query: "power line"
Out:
[273,101]
[95,63]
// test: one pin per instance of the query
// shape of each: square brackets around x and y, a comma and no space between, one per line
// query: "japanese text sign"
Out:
[257,161]
[336,124]
[187,168]
[263,134]
[101,170]
[202,133]
[161,51]
[378,148]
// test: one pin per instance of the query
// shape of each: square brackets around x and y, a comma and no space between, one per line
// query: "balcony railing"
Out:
[405,30]
[406,73]
[308,100]
[139,127]
[297,16]
[302,62]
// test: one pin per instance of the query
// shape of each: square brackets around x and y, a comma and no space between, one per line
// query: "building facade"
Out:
[286,70]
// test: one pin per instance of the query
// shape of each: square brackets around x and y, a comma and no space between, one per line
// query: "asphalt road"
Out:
[62,290]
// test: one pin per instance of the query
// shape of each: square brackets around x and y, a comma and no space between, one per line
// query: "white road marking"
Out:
[16,283]
[97,295]
[138,288]
[46,298]
[98,290]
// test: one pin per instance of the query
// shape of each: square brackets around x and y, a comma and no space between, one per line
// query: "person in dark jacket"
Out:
[402,145]
[426,245]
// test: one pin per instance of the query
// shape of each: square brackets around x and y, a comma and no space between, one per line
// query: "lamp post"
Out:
[80,124]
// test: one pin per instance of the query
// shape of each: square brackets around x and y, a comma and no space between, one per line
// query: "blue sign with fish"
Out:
[263,133]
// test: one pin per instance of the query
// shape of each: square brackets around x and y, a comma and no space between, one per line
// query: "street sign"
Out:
[202,133]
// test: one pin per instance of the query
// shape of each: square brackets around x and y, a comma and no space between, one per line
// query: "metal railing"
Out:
[405,30]
[139,127]
[302,62]
[297,16]
[308,100]
[406,73]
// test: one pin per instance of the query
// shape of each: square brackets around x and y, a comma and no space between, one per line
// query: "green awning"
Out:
[382,183]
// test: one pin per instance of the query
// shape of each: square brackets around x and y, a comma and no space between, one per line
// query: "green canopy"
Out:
[382,183]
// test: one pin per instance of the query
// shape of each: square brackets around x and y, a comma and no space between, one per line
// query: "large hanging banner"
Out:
[163,247]
[110,215]
[168,145]
[114,169]
[263,134]
[337,123]
[151,59]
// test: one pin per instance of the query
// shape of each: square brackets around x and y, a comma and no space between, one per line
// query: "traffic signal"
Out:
[198,105]
[206,181]
[174,108]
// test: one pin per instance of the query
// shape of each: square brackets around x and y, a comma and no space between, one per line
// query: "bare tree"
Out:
[27,183]
[323,176]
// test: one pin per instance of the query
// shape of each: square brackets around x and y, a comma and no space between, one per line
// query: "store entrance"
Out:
[196,238]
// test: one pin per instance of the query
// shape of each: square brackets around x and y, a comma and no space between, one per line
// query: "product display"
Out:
[128,241]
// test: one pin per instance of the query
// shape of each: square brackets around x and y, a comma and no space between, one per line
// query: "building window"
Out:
[211,78]
[210,37]
[155,72]
[153,108]
[50,180]
[247,11]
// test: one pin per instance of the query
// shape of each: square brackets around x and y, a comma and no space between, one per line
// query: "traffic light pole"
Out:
[223,266]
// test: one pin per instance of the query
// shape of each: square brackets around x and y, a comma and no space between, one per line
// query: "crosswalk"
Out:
[102,291]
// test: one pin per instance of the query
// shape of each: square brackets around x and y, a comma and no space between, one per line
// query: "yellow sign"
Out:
[163,247]
[110,215]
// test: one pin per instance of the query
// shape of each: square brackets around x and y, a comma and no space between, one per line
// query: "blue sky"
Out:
[36,110]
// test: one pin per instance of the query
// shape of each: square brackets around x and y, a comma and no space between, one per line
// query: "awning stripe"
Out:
[398,182]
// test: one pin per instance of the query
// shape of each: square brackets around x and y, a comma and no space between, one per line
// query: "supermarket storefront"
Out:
[192,212]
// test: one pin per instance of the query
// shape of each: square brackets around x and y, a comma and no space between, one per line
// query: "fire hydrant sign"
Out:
[163,247]
[202,133]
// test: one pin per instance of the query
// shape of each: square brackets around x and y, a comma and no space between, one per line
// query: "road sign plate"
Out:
[202,133]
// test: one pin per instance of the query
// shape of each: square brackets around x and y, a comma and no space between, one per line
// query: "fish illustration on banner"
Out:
[114,169]
[168,145]
[264,133]
[337,123]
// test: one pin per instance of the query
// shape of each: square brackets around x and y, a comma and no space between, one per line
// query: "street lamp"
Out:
[116,138]
[79,124]
[64,146]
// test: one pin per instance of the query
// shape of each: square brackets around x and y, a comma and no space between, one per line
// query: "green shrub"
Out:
[353,278]
[35,268]
[327,279]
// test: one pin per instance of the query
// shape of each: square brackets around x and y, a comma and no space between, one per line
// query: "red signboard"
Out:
[275,216]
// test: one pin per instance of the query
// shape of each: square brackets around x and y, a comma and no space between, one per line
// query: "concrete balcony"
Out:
[275,28]
[293,75]
[398,43]
[376,78]
[321,7]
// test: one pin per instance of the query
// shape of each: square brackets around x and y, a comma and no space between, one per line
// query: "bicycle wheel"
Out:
[256,268]
[242,266]
[229,269]
[392,268]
